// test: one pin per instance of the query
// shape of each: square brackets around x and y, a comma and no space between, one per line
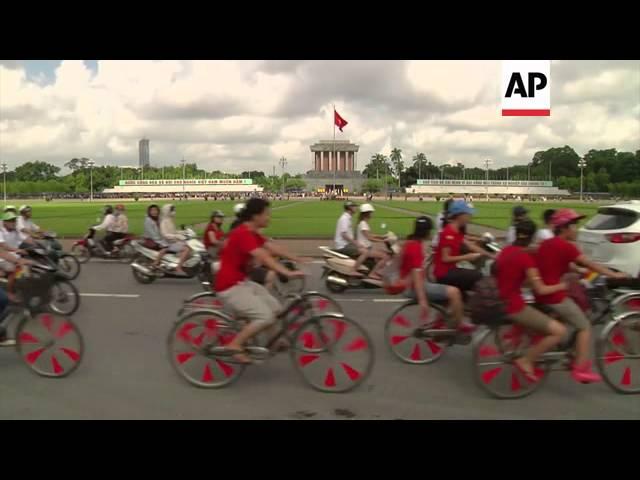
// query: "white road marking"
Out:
[113,295]
[390,300]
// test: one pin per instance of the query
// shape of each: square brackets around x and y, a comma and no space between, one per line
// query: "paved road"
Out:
[126,373]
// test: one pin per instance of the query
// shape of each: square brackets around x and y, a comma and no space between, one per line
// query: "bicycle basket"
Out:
[485,305]
[34,289]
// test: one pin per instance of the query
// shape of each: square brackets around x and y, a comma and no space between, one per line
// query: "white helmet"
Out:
[24,208]
[366,207]
[238,208]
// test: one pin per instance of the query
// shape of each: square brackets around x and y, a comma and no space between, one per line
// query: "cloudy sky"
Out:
[245,115]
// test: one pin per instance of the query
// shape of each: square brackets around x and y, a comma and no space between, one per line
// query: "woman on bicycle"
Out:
[413,276]
[514,268]
[449,250]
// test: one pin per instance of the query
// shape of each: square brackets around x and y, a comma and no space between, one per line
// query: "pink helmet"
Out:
[564,216]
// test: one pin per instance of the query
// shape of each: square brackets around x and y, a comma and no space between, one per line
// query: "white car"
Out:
[612,237]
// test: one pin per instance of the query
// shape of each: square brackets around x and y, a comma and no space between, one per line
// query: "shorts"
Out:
[252,302]
[436,292]
[463,278]
[350,250]
[259,275]
[176,247]
[532,318]
[571,313]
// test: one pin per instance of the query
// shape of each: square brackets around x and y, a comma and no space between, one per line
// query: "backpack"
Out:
[485,304]
[392,283]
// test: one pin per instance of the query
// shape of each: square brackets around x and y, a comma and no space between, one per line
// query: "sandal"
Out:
[530,376]
[240,355]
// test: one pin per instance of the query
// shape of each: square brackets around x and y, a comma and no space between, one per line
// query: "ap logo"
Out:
[526,88]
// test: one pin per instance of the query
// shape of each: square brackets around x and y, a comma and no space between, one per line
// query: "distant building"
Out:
[334,168]
[143,148]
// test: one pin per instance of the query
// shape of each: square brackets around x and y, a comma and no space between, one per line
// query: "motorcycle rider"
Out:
[10,237]
[448,252]
[237,210]
[172,237]
[514,267]
[344,241]
[25,225]
[152,238]
[249,300]
[119,228]
[547,232]
[213,234]
[365,238]
[108,223]
[554,259]
[518,214]
[412,272]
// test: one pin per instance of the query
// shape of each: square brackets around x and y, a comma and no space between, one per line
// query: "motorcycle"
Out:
[338,267]
[89,247]
[67,263]
[65,298]
[197,265]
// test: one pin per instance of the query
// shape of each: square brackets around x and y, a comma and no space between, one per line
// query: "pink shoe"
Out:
[467,328]
[584,374]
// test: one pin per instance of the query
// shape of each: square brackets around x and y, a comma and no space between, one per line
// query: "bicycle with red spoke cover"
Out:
[331,352]
[50,344]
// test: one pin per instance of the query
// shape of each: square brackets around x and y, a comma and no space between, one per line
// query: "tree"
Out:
[77,164]
[563,162]
[372,185]
[253,174]
[420,164]
[398,164]
[36,172]
[378,166]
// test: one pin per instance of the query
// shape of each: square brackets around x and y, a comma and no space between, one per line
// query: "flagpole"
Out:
[335,164]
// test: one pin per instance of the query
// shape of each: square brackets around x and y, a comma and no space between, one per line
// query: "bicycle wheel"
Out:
[81,252]
[618,353]
[50,344]
[188,342]
[493,353]
[69,265]
[202,300]
[403,338]
[332,353]
[65,298]
[314,304]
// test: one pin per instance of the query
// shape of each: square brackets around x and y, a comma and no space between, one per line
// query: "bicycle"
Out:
[618,349]
[49,344]
[331,352]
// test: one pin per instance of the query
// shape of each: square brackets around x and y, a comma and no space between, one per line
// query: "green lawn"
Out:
[313,219]
[496,214]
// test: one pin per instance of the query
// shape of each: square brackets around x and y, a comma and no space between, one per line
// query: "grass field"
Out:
[313,219]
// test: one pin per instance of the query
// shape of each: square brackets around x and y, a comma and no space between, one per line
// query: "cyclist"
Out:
[554,259]
[246,299]
[449,250]
[441,221]
[514,267]
[413,274]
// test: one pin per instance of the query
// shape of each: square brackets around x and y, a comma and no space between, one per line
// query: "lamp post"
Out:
[487,162]
[283,165]
[582,163]
[184,165]
[90,164]
[4,181]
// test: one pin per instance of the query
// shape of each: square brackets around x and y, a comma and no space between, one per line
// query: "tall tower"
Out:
[143,148]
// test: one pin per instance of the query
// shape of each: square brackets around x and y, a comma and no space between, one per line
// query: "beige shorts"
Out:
[571,313]
[251,301]
[533,319]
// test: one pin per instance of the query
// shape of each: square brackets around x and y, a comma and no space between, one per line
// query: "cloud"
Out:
[245,115]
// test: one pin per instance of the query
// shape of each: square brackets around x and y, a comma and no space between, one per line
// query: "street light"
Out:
[90,164]
[184,165]
[283,165]
[487,162]
[582,163]
[4,181]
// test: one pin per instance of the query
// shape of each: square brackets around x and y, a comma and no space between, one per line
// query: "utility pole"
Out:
[487,162]
[283,164]
[582,163]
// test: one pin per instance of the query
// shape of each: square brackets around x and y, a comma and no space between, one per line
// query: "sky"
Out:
[235,116]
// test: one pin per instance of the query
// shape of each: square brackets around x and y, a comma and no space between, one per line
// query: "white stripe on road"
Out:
[114,295]
[390,300]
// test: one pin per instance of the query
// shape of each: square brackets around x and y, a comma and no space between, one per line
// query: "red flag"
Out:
[340,122]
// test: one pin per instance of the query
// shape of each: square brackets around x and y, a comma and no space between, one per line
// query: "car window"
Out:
[612,219]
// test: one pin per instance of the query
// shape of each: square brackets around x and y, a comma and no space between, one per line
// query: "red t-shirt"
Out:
[218,233]
[553,258]
[511,272]
[235,258]
[452,238]
[412,257]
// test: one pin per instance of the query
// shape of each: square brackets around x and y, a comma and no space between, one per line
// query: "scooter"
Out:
[89,247]
[338,267]
[66,262]
[197,265]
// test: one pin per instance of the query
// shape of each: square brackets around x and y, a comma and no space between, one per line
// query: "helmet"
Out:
[366,208]
[349,205]
[24,208]
[9,208]
[108,209]
[238,208]
[9,217]
[565,216]
[459,207]
[217,213]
